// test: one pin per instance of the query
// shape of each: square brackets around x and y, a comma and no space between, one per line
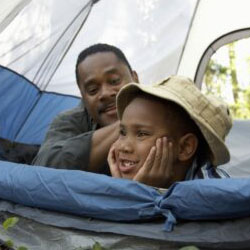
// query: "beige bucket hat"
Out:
[209,113]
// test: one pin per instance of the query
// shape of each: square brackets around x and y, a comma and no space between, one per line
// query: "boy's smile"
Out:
[127,166]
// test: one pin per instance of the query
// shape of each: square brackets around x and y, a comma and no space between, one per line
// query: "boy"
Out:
[169,132]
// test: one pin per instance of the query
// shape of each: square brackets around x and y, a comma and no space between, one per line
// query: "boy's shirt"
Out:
[206,171]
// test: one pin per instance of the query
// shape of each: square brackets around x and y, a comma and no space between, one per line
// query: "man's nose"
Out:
[106,92]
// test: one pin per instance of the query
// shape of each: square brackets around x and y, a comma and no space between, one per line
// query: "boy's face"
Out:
[143,121]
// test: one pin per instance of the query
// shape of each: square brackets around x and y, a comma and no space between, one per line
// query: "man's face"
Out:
[101,76]
[143,121]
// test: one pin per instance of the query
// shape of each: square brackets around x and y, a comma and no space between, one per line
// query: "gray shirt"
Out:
[68,141]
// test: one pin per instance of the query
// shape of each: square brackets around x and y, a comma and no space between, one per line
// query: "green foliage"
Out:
[222,81]
[189,248]
[7,224]
[96,246]
[215,78]
[10,222]
[22,248]
[9,243]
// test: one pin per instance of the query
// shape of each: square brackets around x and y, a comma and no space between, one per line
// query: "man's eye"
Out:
[92,90]
[115,81]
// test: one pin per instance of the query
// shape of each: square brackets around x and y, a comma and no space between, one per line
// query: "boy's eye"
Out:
[142,133]
[122,132]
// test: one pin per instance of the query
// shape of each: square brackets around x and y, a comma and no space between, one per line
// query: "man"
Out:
[81,138]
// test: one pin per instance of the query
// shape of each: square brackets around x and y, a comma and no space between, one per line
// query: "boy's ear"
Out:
[187,146]
[135,76]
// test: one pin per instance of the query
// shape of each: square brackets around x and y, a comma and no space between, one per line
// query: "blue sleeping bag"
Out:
[77,192]
[103,197]
[209,199]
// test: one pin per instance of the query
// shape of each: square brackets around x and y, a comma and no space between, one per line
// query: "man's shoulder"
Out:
[76,117]
[77,112]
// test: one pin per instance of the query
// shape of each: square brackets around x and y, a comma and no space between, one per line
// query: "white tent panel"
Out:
[213,19]
[8,11]
[150,32]
[30,44]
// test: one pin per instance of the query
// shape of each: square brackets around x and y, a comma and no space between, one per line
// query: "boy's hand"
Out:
[157,169]
[112,161]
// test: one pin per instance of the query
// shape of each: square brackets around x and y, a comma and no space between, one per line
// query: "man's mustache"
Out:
[104,106]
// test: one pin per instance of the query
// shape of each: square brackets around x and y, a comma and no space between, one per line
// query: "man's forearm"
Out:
[102,140]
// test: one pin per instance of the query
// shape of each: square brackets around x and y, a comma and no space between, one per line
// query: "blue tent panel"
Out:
[17,97]
[37,124]
[25,111]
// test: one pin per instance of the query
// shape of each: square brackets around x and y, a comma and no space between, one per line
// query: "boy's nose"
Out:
[126,146]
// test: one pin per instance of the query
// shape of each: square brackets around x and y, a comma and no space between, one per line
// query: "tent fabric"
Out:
[168,34]
[96,196]
[27,112]
[9,9]
[48,39]
[151,33]
[55,230]
[15,108]
[44,49]
[208,27]
[238,143]
[44,31]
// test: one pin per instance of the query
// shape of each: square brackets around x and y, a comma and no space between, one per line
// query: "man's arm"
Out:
[102,139]
[67,142]
[70,143]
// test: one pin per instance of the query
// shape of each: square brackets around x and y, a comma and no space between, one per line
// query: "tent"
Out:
[39,43]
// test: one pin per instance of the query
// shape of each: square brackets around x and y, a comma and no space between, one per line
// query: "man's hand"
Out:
[157,169]
[102,140]
[112,161]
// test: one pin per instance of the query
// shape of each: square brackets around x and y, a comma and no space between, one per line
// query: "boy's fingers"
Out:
[145,169]
[149,162]
[111,156]
[112,163]
[164,158]
[158,154]
[170,168]
[115,171]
